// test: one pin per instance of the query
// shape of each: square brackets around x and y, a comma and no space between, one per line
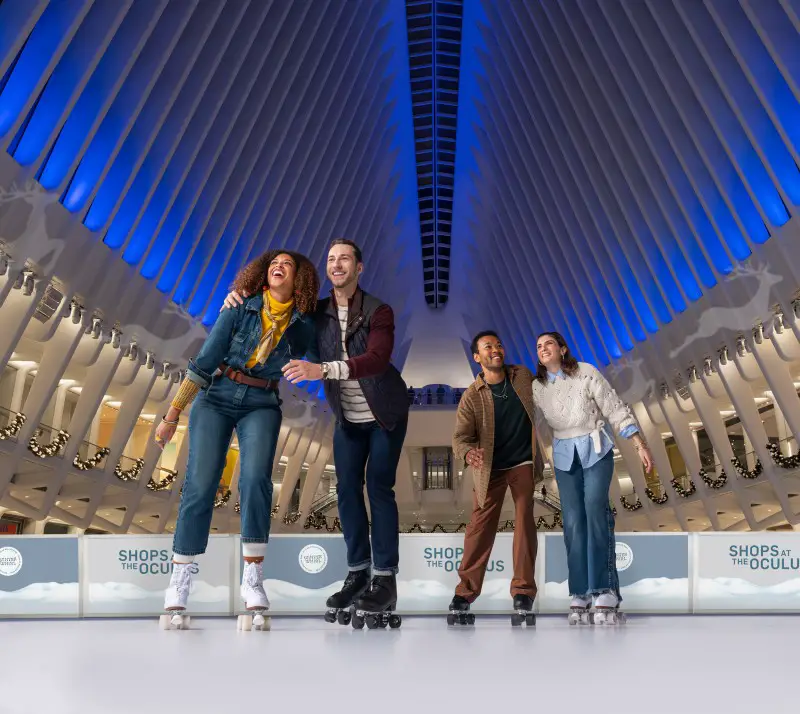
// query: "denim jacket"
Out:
[235,336]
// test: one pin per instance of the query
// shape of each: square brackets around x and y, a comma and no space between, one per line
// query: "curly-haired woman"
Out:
[233,383]
[574,400]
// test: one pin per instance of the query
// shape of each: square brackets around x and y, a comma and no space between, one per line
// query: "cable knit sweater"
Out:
[581,404]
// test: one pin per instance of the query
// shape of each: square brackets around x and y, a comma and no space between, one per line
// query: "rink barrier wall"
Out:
[125,576]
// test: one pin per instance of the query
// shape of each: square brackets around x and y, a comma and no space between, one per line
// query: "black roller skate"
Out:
[376,607]
[459,612]
[523,611]
[340,604]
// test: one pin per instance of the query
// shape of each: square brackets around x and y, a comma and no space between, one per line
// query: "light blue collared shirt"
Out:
[564,450]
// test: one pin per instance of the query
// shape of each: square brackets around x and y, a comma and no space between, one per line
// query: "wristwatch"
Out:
[324,370]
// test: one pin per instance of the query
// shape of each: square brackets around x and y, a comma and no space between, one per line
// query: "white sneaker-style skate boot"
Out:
[255,598]
[177,597]
[606,610]
[580,611]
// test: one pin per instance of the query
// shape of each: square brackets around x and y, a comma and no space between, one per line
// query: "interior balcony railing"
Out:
[90,456]
[10,424]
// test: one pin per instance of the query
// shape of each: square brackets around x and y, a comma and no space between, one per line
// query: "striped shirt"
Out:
[354,404]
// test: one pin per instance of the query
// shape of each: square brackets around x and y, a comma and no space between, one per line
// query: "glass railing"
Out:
[128,469]
[90,456]
[10,424]
[47,441]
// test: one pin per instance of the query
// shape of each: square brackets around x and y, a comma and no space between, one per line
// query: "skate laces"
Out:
[254,576]
[182,577]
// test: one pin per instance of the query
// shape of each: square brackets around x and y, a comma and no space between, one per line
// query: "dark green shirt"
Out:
[513,431]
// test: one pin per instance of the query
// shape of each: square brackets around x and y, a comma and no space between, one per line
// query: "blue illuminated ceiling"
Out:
[192,136]
[434,53]
[613,162]
[628,155]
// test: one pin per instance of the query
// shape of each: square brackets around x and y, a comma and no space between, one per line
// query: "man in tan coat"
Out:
[495,436]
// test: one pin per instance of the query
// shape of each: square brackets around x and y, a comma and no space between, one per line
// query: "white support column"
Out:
[132,404]
[686,440]
[652,435]
[636,473]
[313,477]
[715,428]
[783,430]
[58,409]
[291,475]
[16,311]
[90,402]
[750,457]
[780,382]
[152,453]
[19,387]
[57,354]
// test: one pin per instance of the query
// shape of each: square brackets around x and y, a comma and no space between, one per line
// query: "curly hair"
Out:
[569,365]
[253,278]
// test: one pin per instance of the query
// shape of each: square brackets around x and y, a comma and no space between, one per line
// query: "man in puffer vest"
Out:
[367,395]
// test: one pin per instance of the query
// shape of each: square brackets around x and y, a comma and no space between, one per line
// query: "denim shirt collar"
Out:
[552,377]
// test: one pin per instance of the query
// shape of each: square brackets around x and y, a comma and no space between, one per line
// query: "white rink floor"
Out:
[680,665]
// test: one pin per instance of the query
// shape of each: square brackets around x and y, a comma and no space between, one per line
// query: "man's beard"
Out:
[492,368]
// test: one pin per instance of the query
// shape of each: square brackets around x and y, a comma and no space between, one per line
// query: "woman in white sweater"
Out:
[578,404]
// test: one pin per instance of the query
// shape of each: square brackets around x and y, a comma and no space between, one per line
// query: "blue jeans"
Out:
[256,416]
[369,451]
[589,527]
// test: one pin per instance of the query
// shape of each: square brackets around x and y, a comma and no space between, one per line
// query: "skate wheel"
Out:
[372,622]
[470,619]
[517,620]
[451,619]
[573,619]
[344,617]
[530,620]
[357,622]
[330,616]
[176,621]
[244,623]
[395,621]
[261,623]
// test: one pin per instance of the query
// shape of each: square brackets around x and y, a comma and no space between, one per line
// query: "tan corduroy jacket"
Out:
[475,425]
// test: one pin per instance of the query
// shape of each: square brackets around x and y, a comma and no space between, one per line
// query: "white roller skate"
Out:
[255,599]
[606,610]
[580,611]
[177,598]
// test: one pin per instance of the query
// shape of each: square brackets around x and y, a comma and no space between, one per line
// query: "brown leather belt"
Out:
[242,378]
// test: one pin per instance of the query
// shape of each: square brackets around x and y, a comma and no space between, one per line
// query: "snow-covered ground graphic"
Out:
[737,594]
[127,598]
[646,595]
[41,599]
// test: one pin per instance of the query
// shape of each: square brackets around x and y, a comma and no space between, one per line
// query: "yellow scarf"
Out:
[275,318]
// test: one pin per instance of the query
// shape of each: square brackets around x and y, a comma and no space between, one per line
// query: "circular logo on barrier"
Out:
[313,558]
[624,556]
[10,561]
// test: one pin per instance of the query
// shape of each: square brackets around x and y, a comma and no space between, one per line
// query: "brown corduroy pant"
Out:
[482,528]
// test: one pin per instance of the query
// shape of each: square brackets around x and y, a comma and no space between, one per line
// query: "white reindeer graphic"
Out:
[739,318]
[34,240]
[639,387]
